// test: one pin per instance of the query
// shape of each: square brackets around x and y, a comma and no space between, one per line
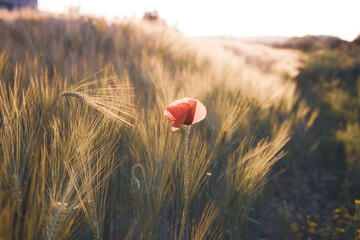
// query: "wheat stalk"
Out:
[57,220]
[108,95]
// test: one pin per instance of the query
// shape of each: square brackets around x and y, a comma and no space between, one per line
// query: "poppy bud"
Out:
[135,184]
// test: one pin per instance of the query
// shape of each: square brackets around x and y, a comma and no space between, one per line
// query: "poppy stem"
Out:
[186,182]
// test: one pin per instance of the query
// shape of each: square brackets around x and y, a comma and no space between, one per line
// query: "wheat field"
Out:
[85,152]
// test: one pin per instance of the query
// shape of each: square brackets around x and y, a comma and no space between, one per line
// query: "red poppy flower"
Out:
[185,111]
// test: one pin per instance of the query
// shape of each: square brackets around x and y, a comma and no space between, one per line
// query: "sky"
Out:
[240,18]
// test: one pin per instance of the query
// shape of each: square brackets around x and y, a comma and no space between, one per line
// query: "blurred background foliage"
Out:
[326,157]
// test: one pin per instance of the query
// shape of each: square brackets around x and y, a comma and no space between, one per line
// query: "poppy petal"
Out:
[178,109]
[177,124]
[192,108]
[200,112]
[181,100]
[168,115]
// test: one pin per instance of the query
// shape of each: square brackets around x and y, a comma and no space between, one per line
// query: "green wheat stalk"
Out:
[186,181]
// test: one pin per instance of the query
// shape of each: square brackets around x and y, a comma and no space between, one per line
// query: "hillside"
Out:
[314,43]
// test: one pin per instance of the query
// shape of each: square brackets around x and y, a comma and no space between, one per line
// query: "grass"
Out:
[85,152]
[324,158]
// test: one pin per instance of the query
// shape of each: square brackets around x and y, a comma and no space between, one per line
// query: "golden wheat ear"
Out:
[111,96]
[72,94]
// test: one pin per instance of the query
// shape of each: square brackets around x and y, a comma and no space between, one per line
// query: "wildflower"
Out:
[357,201]
[185,111]
[300,235]
[312,230]
[312,226]
[338,210]
[294,227]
